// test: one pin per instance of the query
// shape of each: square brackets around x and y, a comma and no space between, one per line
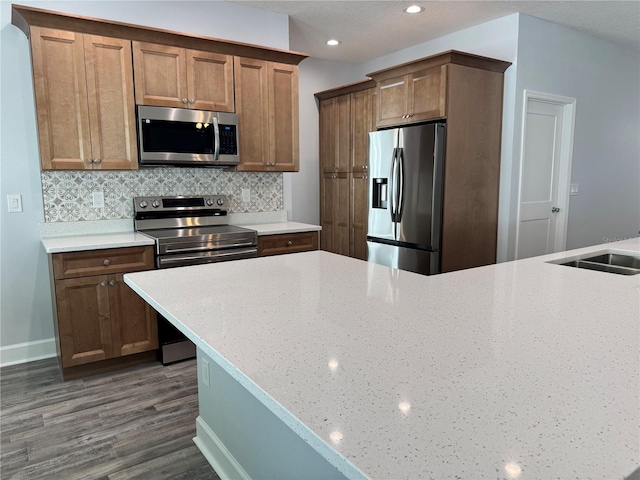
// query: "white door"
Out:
[545,168]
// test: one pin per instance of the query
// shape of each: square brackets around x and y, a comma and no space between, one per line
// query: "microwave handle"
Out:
[216,139]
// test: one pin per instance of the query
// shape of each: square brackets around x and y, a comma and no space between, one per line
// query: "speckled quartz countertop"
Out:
[96,241]
[518,370]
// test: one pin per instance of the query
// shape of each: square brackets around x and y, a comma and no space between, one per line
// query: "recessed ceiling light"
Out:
[333,42]
[414,9]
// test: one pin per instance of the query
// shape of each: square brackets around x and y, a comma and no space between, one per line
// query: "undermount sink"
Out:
[606,262]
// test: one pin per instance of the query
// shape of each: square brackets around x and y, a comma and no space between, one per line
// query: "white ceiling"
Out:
[370,29]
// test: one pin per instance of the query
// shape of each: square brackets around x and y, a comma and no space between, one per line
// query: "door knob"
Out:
[555,210]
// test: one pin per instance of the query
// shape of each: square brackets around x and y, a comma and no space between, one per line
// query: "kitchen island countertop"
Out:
[523,369]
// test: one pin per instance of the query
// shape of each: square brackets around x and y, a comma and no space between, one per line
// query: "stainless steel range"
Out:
[189,230]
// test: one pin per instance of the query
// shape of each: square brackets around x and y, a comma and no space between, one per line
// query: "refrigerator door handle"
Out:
[400,185]
[393,186]
[438,177]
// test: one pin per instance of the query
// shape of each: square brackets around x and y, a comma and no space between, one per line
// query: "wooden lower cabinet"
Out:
[101,324]
[287,243]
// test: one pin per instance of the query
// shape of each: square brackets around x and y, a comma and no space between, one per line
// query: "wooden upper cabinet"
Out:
[413,97]
[267,107]
[169,76]
[84,101]
[363,121]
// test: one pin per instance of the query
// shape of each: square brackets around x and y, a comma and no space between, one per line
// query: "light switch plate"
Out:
[574,188]
[14,203]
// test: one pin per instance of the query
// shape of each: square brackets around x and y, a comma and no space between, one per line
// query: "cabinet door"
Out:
[252,107]
[133,321]
[327,135]
[160,75]
[362,122]
[84,323]
[393,95]
[210,81]
[342,133]
[61,99]
[112,115]
[427,94]
[335,207]
[283,115]
[358,215]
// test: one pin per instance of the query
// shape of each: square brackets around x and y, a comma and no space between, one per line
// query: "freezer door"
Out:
[420,183]
[412,260]
[382,148]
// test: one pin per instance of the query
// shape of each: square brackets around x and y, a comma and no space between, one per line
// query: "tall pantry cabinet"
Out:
[347,115]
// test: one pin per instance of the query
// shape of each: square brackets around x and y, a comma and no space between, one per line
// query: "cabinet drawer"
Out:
[102,262]
[287,243]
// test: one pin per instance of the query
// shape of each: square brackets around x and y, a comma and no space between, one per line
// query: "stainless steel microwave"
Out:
[182,137]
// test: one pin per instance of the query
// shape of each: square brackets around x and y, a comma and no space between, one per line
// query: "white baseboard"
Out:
[222,461]
[27,352]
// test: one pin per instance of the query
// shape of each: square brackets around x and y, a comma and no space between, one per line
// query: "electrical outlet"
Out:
[246,195]
[205,372]
[98,199]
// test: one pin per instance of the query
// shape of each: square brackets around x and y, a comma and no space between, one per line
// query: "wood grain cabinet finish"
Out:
[170,76]
[100,320]
[347,115]
[268,113]
[84,101]
[287,243]
[413,97]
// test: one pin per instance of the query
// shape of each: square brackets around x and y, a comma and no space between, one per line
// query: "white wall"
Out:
[316,75]
[25,299]
[605,80]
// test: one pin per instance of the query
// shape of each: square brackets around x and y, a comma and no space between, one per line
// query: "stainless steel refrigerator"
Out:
[406,168]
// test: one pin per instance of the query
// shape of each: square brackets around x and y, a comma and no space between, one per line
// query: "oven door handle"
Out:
[167,261]
[169,249]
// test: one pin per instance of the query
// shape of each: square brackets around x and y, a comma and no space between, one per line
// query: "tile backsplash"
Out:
[68,195]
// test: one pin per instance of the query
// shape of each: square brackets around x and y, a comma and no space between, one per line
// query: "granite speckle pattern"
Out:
[68,194]
[519,370]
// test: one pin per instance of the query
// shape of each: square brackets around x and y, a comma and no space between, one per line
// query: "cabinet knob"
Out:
[96,160]
[289,243]
[112,283]
[192,101]
[184,100]
[88,161]
[106,262]
[103,283]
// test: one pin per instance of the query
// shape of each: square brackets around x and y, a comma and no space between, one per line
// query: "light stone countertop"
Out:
[95,242]
[523,369]
[282,227]
[99,240]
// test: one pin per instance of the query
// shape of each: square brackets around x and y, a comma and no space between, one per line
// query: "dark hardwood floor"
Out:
[135,423]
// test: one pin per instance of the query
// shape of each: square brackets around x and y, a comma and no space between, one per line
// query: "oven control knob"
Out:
[209,201]
[220,201]
[155,204]
[143,204]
